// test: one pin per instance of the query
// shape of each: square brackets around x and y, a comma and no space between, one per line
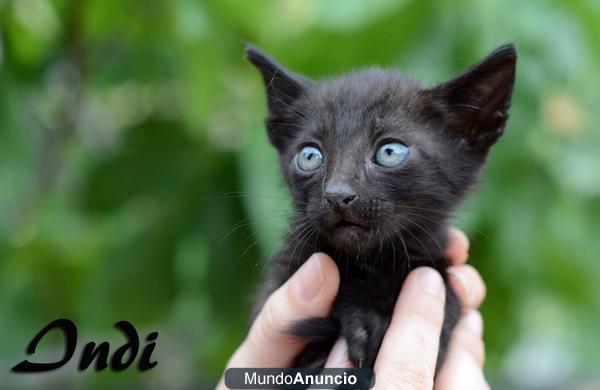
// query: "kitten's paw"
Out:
[363,332]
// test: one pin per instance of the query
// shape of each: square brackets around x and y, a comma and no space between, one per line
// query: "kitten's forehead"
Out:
[364,103]
[368,90]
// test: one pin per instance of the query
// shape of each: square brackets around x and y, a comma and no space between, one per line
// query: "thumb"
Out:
[308,293]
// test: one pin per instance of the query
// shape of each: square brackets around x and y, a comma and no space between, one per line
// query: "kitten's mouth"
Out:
[349,235]
[348,225]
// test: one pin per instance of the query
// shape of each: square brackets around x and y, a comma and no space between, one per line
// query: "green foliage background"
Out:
[131,142]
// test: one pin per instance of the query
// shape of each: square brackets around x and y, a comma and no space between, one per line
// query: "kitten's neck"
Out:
[397,252]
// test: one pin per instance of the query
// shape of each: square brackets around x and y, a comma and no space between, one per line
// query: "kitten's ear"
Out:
[477,101]
[282,86]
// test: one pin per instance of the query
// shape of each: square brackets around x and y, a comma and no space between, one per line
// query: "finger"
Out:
[463,367]
[338,357]
[458,246]
[409,350]
[468,285]
[308,293]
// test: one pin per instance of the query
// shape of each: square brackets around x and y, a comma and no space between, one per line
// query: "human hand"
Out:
[310,292]
[407,355]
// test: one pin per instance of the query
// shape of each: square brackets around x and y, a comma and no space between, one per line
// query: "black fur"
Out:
[398,220]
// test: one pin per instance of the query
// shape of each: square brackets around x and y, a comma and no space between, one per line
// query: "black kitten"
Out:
[376,164]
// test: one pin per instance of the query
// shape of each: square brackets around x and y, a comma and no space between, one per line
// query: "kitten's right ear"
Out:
[282,86]
[478,100]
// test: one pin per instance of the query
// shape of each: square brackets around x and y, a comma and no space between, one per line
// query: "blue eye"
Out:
[392,155]
[309,159]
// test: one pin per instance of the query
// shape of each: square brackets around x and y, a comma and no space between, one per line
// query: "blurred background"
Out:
[136,181]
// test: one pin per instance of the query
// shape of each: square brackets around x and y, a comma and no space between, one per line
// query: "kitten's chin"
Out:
[350,238]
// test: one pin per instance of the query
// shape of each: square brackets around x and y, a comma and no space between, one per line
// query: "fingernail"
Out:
[474,322]
[458,249]
[338,357]
[309,278]
[431,281]
[459,282]
[459,235]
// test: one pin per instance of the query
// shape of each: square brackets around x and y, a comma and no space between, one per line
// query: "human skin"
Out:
[407,356]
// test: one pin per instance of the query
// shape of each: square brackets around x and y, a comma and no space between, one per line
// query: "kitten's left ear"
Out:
[477,101]
[282,86]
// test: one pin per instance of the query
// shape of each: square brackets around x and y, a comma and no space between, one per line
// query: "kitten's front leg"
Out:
[364,331]
[364,328]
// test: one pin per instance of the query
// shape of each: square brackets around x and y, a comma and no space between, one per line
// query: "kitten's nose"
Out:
[339,195]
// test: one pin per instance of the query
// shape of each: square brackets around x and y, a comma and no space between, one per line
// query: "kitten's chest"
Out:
[370,279]
[373,288]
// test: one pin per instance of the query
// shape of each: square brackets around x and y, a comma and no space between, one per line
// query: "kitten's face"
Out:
[368,162]
[372,155]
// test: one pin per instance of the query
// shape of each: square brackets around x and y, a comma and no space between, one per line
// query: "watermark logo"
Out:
[92,352]
[299,378]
